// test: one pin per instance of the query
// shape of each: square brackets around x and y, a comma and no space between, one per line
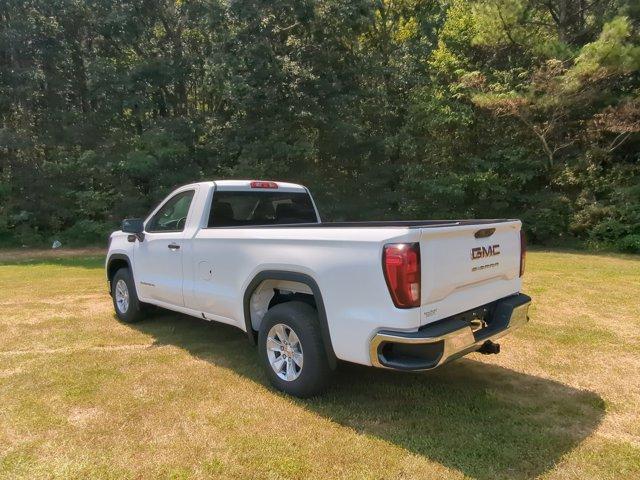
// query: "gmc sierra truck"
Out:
[404,295]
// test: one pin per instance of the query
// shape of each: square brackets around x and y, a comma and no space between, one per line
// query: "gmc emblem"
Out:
[483,252]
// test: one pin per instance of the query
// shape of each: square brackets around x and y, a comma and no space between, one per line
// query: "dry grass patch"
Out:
[84,396]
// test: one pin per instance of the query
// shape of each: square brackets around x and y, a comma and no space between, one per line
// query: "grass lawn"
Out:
[84,396]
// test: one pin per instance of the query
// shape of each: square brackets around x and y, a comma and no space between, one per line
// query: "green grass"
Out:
[84,396]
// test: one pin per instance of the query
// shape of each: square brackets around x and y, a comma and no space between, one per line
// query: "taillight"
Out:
[401,264]
[523,252]
[262,184]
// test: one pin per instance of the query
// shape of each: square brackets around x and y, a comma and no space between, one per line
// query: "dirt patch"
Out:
[24,254]
[83,416]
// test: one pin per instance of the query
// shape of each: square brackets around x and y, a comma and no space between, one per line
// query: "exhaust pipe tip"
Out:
[489,348]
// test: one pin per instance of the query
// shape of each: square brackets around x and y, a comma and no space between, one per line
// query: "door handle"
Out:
[173,246]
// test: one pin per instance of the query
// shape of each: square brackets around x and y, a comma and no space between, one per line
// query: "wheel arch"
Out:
[116,262]
[297,277]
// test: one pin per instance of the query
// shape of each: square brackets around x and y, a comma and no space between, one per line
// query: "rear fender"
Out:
[294,277]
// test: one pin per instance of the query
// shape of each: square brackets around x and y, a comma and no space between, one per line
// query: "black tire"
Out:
[315,374]
[135,309]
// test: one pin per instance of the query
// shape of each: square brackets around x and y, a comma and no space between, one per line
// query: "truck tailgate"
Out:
[466,266]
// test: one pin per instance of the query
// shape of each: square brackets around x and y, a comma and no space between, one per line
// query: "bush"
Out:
[548,219]
[86,232]
[629,244]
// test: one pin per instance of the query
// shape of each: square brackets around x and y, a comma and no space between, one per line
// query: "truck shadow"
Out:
[484,420]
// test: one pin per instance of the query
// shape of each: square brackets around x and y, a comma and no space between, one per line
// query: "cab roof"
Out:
[255,185]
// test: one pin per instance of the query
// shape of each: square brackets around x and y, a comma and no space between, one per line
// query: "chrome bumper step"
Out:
[447,339]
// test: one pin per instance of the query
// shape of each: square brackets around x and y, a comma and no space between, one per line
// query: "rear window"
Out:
[232,209]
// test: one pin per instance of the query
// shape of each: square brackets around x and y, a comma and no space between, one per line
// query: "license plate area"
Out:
[506,314]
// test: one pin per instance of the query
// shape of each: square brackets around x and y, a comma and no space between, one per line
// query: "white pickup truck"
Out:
[405,295]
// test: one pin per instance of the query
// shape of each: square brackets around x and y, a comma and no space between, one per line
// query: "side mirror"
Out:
[134,226]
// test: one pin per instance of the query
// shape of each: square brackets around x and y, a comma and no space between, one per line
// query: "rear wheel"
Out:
[125,300]
[292,351]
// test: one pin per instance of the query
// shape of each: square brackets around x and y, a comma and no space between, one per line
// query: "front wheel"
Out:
[292,351]
[125,299]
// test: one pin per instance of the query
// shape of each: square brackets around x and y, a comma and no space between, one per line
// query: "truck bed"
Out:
[382,224]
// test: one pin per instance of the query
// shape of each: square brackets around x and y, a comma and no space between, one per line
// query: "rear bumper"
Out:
[448,339]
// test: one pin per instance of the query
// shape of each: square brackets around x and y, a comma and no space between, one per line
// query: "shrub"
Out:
[86,232]
[630,244]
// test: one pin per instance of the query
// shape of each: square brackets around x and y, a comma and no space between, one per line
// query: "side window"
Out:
[172,216]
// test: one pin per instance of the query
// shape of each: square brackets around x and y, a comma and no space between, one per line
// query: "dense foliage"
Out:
[385,108]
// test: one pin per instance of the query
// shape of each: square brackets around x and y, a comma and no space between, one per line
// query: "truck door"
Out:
[158,269]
